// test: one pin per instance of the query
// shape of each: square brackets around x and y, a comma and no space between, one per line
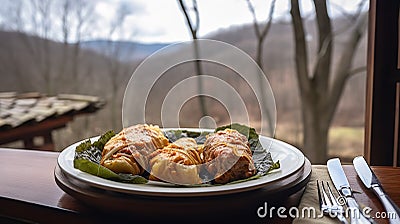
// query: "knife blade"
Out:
[370,180]
[342,185]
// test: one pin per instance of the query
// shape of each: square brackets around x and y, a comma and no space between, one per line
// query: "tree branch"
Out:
[327,43]
[34,9]
[193,30]
[345,62]
[255,22]
[261,34]
[269,20]
[357,70]
[321,71]
[351,17]
[197,62]
[301,55]
[196,12]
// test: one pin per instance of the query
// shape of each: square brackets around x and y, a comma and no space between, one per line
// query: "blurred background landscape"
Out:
[54,47]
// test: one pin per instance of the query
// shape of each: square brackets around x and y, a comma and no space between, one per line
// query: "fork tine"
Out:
[328,203]
[327,199]
[331,195]
[322,199]
[321,202]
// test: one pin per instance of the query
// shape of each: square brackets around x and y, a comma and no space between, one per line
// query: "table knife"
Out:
[369,179]
[342,185]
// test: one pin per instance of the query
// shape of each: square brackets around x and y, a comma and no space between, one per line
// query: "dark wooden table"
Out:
[28,191]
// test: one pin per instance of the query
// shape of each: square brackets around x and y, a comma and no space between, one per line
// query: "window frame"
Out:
[383,84]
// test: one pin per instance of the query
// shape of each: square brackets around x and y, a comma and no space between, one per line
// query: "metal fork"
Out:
[328,203]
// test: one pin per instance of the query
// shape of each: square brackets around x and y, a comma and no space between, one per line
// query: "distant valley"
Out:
[124,51]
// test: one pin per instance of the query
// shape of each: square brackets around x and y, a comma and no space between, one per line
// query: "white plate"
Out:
[291,159]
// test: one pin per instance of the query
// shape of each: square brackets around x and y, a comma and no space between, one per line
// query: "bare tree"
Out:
[11,60]
[113,49]
[37,50]
[66,11]
[194,28]
[44,13]
[40,25]
[36,19]
[261,33]
[320,89]
[261,30]
[83,14]
[76,17]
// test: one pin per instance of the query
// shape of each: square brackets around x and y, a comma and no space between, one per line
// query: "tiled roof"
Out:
[17,109]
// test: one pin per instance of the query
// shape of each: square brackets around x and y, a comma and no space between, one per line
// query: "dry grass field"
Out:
[345,142]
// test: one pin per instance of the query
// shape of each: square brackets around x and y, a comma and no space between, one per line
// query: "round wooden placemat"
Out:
[122,203]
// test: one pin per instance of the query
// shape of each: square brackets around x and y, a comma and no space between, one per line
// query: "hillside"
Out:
[123,50]
[29,63]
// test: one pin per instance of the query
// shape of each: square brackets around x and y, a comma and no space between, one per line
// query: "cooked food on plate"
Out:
[228,156]
[177,162]
[144,152]
[129,150]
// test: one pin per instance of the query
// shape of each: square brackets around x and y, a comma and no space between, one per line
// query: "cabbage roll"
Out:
[177,163]
[129,150]
[228,157]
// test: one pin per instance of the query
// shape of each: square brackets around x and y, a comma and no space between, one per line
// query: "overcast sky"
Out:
[162,20]
[153,20]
